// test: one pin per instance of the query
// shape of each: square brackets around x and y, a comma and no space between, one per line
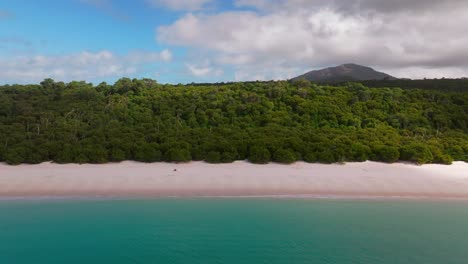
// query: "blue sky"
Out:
[182,41]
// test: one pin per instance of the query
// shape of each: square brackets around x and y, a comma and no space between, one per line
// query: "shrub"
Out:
[198,153]
[284,156]
[359,152]
[177,155]
[228,157]
[326,157]
[310,157]
[387,154]
[416,152]
[213,157]
[259,155]
[15,156]
[439,157]
[117,154]
[443,159]
[95,154]
[148,153]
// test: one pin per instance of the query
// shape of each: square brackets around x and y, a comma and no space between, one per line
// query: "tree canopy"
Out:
[279,121]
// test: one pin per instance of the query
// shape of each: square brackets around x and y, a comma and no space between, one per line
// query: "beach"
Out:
[200,179]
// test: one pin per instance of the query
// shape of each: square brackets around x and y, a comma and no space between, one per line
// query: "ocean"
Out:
[238,230]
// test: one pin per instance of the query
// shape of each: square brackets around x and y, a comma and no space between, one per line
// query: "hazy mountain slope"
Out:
[345,72]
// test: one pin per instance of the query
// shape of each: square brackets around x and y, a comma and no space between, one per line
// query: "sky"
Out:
[184,41]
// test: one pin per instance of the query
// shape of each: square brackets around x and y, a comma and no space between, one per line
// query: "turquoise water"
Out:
[233,231]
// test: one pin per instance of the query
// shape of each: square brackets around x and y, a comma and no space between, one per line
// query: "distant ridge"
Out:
[345,72]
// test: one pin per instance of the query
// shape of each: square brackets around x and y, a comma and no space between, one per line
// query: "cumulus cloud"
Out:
[181,5]
[166,55]
[352,6]
[203,70]
[297,35]
[78,66]
[420,73]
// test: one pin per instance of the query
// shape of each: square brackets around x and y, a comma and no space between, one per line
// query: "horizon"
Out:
[213,41]
[96,83]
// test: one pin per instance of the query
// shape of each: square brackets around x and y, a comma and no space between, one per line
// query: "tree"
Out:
[177,155]
[284,156]
[259,121]
[259,155]
[385,153]
[213,157]
[416,152]
[326,157]
[15,156]
[228,156]
[148,153]
[48,83]
[117,154]
[359,152]
[310,157]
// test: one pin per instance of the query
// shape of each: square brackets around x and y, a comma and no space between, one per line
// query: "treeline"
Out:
[258,121]
[446,85]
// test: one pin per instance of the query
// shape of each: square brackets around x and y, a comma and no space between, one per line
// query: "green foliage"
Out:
[95,154]
[438,156]
[416,152]
[443,159]
[359,152]
[455,85]
[147,153]
[15,156]
[284,156]
[213,157]
[117,154]
[310,157]
[228,157]
[259,121]
[259,155]
[178,155]
[387,154]
[326,157]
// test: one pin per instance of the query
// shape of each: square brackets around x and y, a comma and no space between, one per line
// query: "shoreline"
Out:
[350,198]
[350,181]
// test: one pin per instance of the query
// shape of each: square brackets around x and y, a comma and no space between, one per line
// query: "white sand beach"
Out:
[132,179]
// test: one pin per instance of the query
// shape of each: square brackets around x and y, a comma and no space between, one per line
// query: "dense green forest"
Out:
[260,121]
[452,85]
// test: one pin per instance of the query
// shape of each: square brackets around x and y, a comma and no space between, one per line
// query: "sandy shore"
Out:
[132,179]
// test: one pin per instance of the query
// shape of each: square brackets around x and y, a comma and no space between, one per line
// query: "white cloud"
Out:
[265,73]
[297,35]
[352,6]
[203,71]
[181,5]
[166,55]
[139,57]
[78,66]
[423,72]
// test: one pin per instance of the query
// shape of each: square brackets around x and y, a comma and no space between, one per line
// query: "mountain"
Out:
[345,72]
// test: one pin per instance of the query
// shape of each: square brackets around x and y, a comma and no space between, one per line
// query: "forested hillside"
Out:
[446,85]
[259,121]
[345,72]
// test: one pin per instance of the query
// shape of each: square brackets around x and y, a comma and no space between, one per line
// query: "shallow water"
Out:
[233,231]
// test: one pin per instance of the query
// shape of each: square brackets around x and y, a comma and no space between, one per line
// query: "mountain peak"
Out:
[351,65]
[345,72]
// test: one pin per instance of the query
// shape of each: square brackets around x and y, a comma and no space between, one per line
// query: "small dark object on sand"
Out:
[175,169]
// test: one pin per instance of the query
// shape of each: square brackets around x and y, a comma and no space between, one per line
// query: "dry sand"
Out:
[132,179]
